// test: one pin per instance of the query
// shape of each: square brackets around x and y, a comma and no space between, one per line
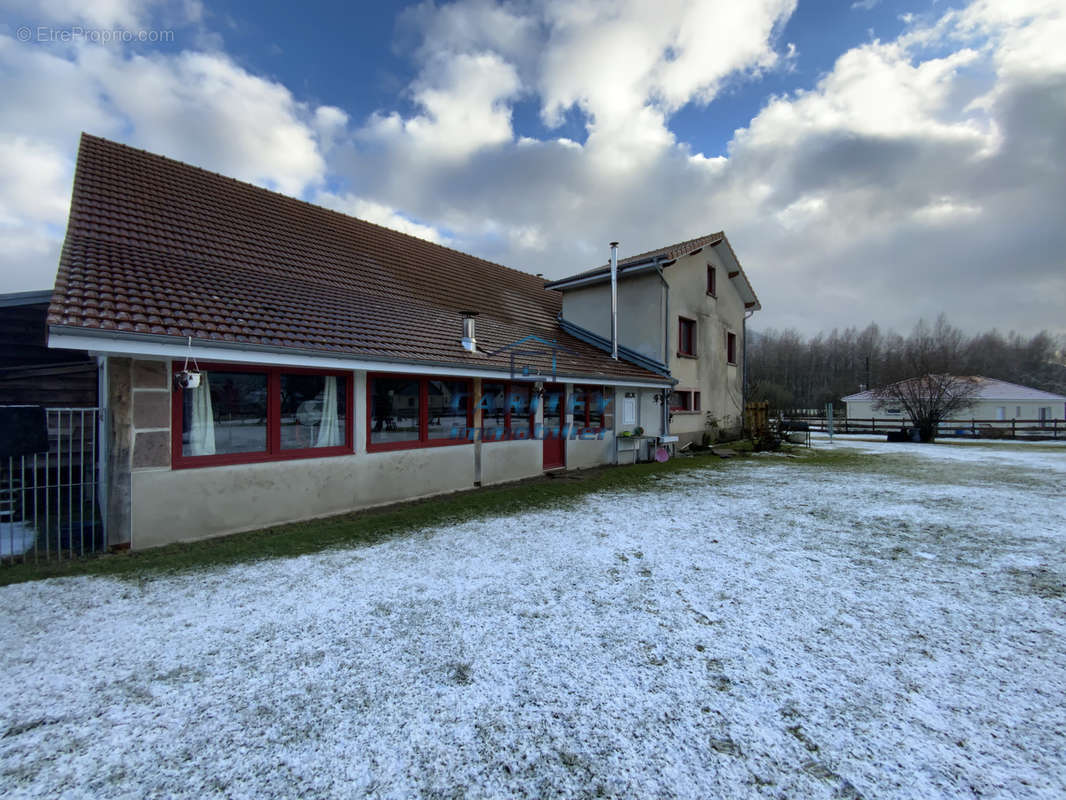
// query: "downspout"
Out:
[666,348]
[666,314]
[744,361]
[102,450]
[614,300]
[666,410]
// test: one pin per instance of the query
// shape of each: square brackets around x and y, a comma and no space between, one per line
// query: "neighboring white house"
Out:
[995,400]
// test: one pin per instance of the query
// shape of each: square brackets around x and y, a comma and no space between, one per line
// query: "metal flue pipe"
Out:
[614,300]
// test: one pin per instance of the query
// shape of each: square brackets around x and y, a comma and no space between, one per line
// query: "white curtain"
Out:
[329,429]
[202,430]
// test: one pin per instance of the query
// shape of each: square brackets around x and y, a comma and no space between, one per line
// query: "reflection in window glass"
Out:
[394,411]
[521,412]
[493,411]
[313,411]
[226,413]
[449,404]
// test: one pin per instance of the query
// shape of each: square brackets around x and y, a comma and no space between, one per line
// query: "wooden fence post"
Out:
[1013,429]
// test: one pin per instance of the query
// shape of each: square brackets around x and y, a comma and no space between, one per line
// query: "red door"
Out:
[554,414]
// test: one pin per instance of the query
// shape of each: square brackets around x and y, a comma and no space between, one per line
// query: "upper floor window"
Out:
[731,348]
[252,413]
[686,336]
[712,281]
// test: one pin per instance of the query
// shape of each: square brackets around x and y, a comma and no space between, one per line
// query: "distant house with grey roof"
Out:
[994,400]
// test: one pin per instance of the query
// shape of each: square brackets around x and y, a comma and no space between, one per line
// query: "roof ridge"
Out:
[675,245]
[159,248]
[289,198]
[633,260]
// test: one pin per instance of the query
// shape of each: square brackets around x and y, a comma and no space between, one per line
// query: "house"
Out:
[264,360]
[995,400]
[681,309]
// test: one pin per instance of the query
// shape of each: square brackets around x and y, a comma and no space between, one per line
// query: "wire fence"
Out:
[49,502]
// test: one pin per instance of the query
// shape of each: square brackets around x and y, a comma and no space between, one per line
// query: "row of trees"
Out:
[791,372]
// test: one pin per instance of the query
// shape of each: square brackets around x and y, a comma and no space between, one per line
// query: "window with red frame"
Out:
[731,348]
[506,411]
[406,411]
[248,413]
[592,407]
[684,400]
[712,281]
[686,336]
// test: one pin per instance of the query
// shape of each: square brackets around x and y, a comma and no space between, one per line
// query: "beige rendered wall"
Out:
[164,505]
[720,384]
[511,461]
[640,312]
[182,505]
[585,453]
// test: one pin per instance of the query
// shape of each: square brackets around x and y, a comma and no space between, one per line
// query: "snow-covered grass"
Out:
[877,621]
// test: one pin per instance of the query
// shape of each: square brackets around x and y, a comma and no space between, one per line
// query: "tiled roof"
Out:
[668,253]
[989,389]
[158,247]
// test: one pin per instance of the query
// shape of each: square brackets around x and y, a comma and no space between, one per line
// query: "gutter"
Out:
[588,280]
[152,345]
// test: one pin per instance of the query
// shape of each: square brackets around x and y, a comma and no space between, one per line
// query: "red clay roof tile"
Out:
[156,246]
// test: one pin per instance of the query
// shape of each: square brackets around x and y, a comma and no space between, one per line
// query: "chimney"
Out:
[469,340]
[614,300]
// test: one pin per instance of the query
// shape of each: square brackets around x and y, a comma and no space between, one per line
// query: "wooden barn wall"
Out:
[30,372]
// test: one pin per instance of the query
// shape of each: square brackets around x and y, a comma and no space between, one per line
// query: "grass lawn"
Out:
[367,527]
[866,620]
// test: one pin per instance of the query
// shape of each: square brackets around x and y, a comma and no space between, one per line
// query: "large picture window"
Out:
[395,410]
[415,411]
[506,411]
[247,413]
[592,408]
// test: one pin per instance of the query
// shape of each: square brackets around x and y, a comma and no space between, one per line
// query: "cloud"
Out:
[463,100]
[917,175]
[106,14]
[198,107]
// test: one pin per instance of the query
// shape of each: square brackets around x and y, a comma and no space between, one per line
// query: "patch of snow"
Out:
[16,538]
[762,628]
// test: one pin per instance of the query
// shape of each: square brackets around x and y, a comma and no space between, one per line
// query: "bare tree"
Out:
[793,372]
[928,400]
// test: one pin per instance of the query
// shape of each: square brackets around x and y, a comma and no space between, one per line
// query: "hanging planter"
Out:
[188,378]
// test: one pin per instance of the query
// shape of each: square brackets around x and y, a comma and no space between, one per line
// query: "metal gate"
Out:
[50,501]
